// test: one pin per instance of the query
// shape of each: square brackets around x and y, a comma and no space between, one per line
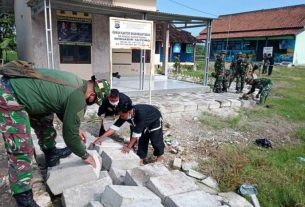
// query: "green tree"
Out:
[7,33]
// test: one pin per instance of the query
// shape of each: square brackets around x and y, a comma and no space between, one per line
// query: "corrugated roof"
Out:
[100,7]
[269,22]
[175,35]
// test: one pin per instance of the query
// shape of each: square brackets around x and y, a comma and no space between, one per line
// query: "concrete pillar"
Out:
[100,47]
[23,21]
[165,47]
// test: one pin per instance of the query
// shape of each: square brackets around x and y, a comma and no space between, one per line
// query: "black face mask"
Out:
[91,103]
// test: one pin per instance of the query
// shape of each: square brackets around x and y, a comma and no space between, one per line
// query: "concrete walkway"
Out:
[185,100]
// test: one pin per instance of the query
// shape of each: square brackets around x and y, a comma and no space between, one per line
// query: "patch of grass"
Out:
[212,121]
[287,96]
[277,173]
[217,122]
[300,134]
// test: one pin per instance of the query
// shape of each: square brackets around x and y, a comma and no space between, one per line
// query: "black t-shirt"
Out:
[144,117]
[108,109]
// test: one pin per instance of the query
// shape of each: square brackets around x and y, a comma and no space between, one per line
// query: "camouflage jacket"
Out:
[219,65]
[241,66]
[260,84]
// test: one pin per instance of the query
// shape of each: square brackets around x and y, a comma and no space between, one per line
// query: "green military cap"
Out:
[223,52]
[239,53]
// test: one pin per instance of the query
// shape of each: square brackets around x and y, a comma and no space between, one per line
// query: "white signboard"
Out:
[130,33]
[268,50]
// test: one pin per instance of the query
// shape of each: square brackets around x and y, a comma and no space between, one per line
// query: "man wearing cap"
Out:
[263,84]
[110,105]
[241,69]
[146,125]
[220,84]
[27,102]
[233,68]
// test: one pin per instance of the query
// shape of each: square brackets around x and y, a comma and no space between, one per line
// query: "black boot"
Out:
[102,130]
[25,199]
[52,156]
[224,90]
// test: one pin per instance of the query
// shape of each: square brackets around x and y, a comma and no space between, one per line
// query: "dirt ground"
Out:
[196,140]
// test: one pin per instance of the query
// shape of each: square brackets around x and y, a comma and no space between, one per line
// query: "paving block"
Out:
[81,195]
[195,174]
[106,145]
[235,200]
[116,159]
[235,103]
[117,176]
[213,104]
[188,165]
[223,103]
[206,189]
[191,199]
[95,204]
[140,175]
[72,174]
[70,158]
[203,106]
[177,163]
[176,107]
[211,182]
[247,103]
[190,106]
[132,196]
[168,185]
[103,174]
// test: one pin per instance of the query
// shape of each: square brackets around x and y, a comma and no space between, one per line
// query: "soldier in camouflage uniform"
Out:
[263,84]
[241,67]
[30,102]
[233,68]
[220,73]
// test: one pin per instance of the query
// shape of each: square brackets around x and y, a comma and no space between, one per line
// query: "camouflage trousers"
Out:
[15,127]
[221,82]
[264,94]
[240,81]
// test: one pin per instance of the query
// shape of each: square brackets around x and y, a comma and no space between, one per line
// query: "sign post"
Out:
[132,34]
[268,50]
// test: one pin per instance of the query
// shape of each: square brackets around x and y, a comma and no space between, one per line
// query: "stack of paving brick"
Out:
[119,181]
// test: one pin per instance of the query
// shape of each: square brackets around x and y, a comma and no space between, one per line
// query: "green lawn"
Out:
[278,173]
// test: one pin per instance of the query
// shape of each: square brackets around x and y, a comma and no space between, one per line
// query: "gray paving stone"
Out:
[106,145]
[213,104]
[116,159]
[131,196]
[68,174]
[95,204]
[235,200]
[247,103]
[195,174]
[140,176]
[81,195]
[191,199]
[117,176]
[188,165]
[206,189]
[176,107]
[202,106]
[235,103]
[177,163]
[190,106]
[211,182]
[168,185]
[223,102]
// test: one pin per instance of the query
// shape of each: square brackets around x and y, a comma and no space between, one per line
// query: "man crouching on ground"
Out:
[146,124]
